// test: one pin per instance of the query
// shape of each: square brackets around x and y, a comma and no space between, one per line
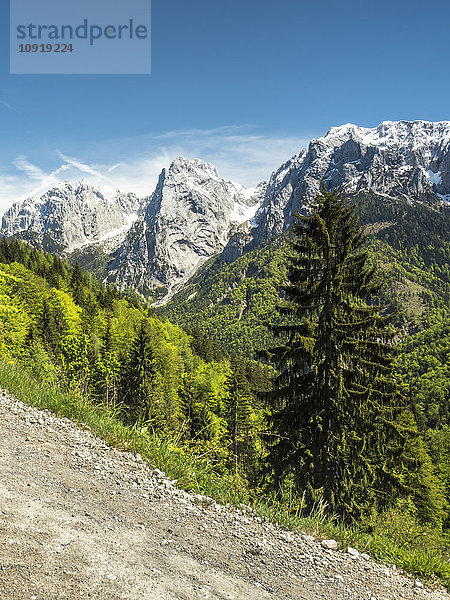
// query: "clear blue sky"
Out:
[245,84]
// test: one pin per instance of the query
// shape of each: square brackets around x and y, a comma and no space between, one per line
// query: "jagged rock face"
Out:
[189,219]
[71,216]
[275,212]
[409,159]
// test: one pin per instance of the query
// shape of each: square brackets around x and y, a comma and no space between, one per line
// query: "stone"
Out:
[203,499]
[330,544]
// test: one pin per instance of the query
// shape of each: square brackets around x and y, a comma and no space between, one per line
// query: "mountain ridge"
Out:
[160,241]
[71,215]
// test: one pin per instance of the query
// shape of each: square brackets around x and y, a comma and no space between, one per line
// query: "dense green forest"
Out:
[71,331]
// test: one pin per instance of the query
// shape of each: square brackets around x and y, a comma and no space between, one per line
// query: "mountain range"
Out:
[156,244]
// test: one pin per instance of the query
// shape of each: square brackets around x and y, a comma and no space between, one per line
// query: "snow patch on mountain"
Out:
[242,213]
[434,177]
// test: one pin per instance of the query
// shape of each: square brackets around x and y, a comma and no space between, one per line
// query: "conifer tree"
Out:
[55,273]
[335,402]
[5,253]
[139,375]
[76,283]
[239,416]
[49,327]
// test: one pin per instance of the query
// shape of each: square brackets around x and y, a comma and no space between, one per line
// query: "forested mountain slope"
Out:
[96,343]
[230,302]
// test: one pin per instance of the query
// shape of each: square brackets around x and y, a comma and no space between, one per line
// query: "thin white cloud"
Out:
[81,166]
[116,166]
[134,164]
[6,105]
[32,171]
[38,181]
[180,133]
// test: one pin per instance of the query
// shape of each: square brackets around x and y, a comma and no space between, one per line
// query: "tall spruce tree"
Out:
[49,327]
[335,402]
[240,417]
[139,374]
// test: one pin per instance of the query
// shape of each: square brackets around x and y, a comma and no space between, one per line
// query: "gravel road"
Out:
[79,519]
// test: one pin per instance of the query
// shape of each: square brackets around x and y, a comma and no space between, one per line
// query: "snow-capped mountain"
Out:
[194,214]
[70,216]
[409,159]
[189,218]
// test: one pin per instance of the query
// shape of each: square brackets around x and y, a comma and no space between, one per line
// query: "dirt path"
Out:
[81,520]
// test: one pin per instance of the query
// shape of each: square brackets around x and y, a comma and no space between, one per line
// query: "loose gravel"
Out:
[79,519]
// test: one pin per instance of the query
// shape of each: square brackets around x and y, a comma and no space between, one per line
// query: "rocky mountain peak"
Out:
[396,159]
[390,134]
[71,215]
[189,218]
[194,167]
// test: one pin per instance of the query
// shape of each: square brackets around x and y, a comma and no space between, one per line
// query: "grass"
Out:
[392,538]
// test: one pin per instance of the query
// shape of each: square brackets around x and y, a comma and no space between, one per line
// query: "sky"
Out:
[243,84]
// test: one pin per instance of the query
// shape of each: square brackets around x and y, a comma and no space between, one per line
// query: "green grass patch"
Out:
[393,538]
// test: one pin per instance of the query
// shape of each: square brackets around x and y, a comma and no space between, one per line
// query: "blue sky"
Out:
[242,84]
